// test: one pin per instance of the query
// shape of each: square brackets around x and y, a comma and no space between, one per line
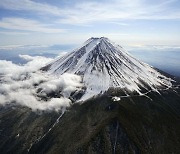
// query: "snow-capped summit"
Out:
[103,64]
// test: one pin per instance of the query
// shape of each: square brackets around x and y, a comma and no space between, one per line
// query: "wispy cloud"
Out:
[119,23]
[142,21]
[84,12]
[27,25]
[13,33]
[123,9]
[29,5]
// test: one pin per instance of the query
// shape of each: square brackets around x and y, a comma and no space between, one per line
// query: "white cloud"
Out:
[24,85]
[27,25]
[67,83]
[29,5]
[26,98]
[7,67]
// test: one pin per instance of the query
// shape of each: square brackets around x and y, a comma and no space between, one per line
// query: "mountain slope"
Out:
[134,124]
[103,64]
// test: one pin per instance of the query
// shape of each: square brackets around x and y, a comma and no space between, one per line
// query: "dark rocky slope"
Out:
[135,124]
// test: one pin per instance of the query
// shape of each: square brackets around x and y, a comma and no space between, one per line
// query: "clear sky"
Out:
[127,22]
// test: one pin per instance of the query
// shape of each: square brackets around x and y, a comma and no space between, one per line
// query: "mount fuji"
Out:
[102,65]
[118,104]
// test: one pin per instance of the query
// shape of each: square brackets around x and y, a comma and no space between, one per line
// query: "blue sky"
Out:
[127,22]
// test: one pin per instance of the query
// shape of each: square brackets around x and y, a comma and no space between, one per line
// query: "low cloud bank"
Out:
[25,85]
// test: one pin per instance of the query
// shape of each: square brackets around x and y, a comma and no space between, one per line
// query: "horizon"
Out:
[154,55]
